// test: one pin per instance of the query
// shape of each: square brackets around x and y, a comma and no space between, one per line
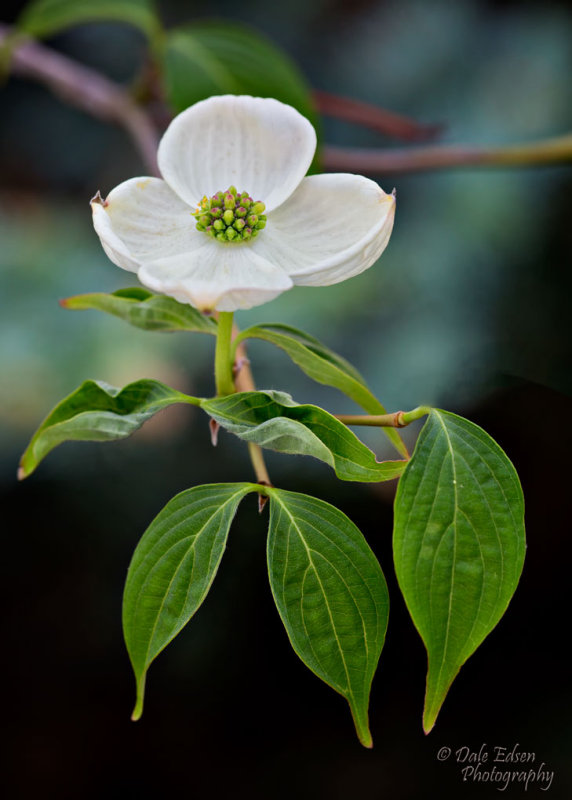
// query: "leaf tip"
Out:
[64,302]
[21,474]
[362,728]
[430,715]
[138,710]
[428,726]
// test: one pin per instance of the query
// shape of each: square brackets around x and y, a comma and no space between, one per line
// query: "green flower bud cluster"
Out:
[230,216]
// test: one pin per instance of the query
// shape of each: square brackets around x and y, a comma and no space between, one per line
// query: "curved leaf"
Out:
[226,58]
[459,544]
[172,570]
[46,17]
[331,595]
[97,412]
[143,309]
[273,420]
[324,366]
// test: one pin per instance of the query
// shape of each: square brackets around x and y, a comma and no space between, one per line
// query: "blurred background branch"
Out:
[83,87]
[383,162]
[98,95]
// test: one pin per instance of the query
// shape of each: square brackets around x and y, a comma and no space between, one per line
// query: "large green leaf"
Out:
[143,309]
[47,17]
[324,366]
[273,420]
[209,58]
[98,412]
[172,570]
[331,595]
[459,544]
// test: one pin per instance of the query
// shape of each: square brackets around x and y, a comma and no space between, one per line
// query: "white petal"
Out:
[218,276]
[141,220]
[115,249]
[259,145]
[332,228]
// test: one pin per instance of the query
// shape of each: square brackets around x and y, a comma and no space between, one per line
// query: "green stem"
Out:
[417,413]
[399,419]
[223,363]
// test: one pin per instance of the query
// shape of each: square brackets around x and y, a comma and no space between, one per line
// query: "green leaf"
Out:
[97,412]
[172,570]
[273,420]
[143,309]
[459,544]
[213,58]
[47,17]
[324,366]
[331,595]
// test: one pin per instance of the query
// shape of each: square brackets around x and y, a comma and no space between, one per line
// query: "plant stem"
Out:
[97,95]
[257,459]
[223,364]
[379,119]
[376,161]
[417,413]
[245,383]
[399,419]
[84,88]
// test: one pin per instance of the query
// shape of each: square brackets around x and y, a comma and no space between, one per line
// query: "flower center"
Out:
[230,216]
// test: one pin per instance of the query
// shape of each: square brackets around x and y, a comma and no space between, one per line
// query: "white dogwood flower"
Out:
[234,222]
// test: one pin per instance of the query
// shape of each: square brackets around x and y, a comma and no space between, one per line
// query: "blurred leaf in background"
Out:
[209,58]
[48,17]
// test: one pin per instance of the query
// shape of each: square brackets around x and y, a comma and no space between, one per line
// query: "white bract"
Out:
[181,241]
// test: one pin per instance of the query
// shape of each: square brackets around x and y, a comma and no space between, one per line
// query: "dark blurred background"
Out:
[468,309]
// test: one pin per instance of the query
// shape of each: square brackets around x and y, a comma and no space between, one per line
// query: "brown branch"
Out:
[101,97]
[244,382]
[85,89]
[420,159]
[370,116]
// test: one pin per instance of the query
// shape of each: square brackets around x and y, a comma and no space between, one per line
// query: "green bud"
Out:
[230,216]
